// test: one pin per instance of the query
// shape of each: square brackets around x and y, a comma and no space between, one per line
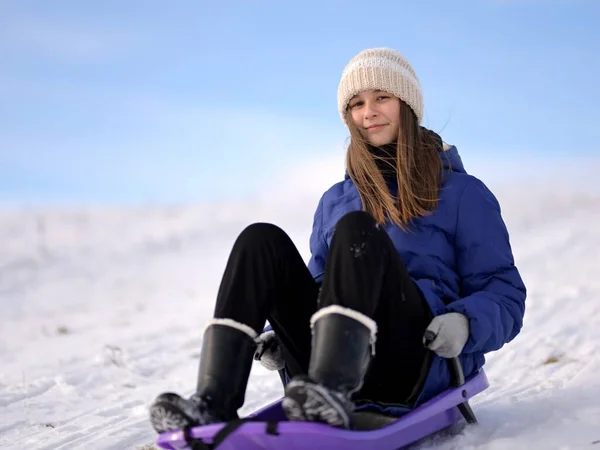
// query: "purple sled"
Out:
[269,429]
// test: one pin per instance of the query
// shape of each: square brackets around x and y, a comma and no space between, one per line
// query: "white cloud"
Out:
[511,177]
[169,151]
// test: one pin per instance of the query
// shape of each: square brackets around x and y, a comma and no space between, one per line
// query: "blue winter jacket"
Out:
[460,257]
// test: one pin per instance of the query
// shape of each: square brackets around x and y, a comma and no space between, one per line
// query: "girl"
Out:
[407,242]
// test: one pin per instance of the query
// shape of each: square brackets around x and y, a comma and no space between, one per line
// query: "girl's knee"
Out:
[260,232]
[356,220]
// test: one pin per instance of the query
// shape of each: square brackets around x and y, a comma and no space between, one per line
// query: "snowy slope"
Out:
[102,309]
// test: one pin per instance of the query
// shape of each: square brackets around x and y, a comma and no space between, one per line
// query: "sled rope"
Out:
[230,427]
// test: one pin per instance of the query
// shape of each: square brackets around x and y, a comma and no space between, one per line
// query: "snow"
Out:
[101,309]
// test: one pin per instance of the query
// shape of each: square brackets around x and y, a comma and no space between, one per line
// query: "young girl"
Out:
[407,242]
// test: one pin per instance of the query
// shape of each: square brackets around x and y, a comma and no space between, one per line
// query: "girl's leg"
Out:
[365,273]
[367,340]
[265,278]
[401,361]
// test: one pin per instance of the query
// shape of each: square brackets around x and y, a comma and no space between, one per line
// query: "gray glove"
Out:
[451,332]
[268,351]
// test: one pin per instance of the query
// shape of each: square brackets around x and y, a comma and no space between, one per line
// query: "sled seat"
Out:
[370,420]
[268,428]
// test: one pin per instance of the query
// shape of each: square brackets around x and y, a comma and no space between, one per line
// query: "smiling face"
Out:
[377,116]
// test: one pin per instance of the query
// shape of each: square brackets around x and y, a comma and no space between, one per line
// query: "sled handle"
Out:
[457,379]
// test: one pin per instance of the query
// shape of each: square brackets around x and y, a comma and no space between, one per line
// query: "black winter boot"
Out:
[342,346]
[225,363]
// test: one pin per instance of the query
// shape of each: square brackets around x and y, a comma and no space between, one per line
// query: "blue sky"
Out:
[144,101]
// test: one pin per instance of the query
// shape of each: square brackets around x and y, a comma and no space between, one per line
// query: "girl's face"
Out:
[377,116]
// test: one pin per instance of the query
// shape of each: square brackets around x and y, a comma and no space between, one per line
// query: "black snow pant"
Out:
[266,279]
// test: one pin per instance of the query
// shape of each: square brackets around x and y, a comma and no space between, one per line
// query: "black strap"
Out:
[230,427]
[195,444]
[272,428]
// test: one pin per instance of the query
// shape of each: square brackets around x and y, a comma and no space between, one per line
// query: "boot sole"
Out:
[291,406]
[312,402]
[165,416]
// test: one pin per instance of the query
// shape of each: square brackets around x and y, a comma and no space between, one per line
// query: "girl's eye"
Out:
[382,97]
[353,105]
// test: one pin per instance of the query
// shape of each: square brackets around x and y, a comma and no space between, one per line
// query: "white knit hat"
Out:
[380,68]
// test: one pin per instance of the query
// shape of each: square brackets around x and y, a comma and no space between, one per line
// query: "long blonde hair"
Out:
[418,172]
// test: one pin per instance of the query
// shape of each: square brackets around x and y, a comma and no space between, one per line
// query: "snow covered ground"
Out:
[101,309]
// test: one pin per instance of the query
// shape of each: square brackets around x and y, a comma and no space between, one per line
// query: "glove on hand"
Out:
[451,332]
[268,351]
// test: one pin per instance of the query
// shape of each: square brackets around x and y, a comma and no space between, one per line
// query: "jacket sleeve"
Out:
[493,293]
[318,246]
